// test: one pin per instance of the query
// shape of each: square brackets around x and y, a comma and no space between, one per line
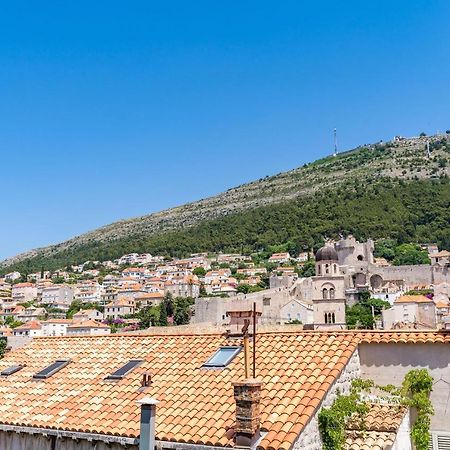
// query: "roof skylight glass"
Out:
[128,367]
[52,369]
[222,357]
[10,370]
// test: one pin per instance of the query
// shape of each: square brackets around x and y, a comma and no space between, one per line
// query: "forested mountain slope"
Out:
[396,190]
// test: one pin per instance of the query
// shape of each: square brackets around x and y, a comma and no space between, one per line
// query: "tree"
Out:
[385,248]
[3,343]
[359,316]
[308,269]
[148,317]
[423,134]
[168,304]
[12,323]
[199,271]
[410,254]
[182,313]
[162,320]
[363,314]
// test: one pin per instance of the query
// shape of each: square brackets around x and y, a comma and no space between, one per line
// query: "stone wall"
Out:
[309,438]
[213,309]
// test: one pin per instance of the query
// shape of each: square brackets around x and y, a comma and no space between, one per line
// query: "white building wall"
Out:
[403,438]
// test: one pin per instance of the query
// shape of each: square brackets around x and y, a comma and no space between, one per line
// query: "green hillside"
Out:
[392,190]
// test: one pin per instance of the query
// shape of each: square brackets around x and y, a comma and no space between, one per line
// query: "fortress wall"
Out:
[421,274]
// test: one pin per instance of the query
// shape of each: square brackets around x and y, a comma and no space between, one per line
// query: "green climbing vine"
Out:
[2,346]
[414,393]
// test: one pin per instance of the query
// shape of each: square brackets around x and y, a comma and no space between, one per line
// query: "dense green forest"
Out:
[405,211]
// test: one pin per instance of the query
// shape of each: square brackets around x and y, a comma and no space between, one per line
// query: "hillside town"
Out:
[315,290]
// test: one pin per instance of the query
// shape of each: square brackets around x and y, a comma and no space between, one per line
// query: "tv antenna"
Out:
[335,142]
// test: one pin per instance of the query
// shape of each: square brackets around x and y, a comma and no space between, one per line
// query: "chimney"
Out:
[247,394]
[148,419]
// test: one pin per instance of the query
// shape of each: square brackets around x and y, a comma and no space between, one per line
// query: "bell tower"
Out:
[328,291]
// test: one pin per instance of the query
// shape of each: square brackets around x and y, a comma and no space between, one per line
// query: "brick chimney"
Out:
[247,394]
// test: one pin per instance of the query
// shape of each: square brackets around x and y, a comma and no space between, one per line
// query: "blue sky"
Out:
[111,109]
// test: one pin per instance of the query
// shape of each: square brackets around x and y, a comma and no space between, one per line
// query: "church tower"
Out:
[328,291]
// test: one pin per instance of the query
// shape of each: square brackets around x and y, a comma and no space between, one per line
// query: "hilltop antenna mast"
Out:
[428,150]
[335,143]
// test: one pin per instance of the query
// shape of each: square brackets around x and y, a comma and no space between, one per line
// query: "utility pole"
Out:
[335,143]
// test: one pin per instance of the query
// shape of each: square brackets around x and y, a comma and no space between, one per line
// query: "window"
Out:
[266,301]
[10,370]
[124,370]
[222,357]
[51,369]
[324,293]
[330,318]
[331,293]
[360,257]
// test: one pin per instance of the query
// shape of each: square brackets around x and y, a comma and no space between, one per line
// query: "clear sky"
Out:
[114,109]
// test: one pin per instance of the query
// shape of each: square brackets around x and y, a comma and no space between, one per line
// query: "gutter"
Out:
[91,437]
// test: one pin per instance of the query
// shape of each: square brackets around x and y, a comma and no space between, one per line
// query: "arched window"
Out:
[335,268]
[360,257]
[326,317]
[327,270]
[331,293]
[333,318]
[318,269]
[325,293]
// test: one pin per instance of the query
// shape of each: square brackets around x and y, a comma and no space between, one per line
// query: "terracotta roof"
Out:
[31,325]
[378,429]
[404,337]
[369,440]
[150,295]
[441,254]
[22,285]
[85,312]
[442,304]
[297,370]
[88,324]
[413,299]
[61,321]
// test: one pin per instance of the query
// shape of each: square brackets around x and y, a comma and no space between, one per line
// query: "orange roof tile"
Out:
[295,382]
[378,429]
[88,324]
[441,254]
[413,299]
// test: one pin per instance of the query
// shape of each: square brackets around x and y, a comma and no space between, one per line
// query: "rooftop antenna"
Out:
[335,143]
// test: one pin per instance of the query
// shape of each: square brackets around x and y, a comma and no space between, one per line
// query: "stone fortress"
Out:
[343,270]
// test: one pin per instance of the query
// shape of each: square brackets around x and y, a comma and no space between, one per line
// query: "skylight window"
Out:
[51,369]
[128,367]
[10,370]
[222,357]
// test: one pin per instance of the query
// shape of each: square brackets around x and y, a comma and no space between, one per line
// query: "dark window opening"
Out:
[222,357]
[10,370]
[360,257]
[330,318]
[124,370]
[52,369]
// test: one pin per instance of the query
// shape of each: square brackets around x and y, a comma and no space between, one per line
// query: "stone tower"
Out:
[328,291]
